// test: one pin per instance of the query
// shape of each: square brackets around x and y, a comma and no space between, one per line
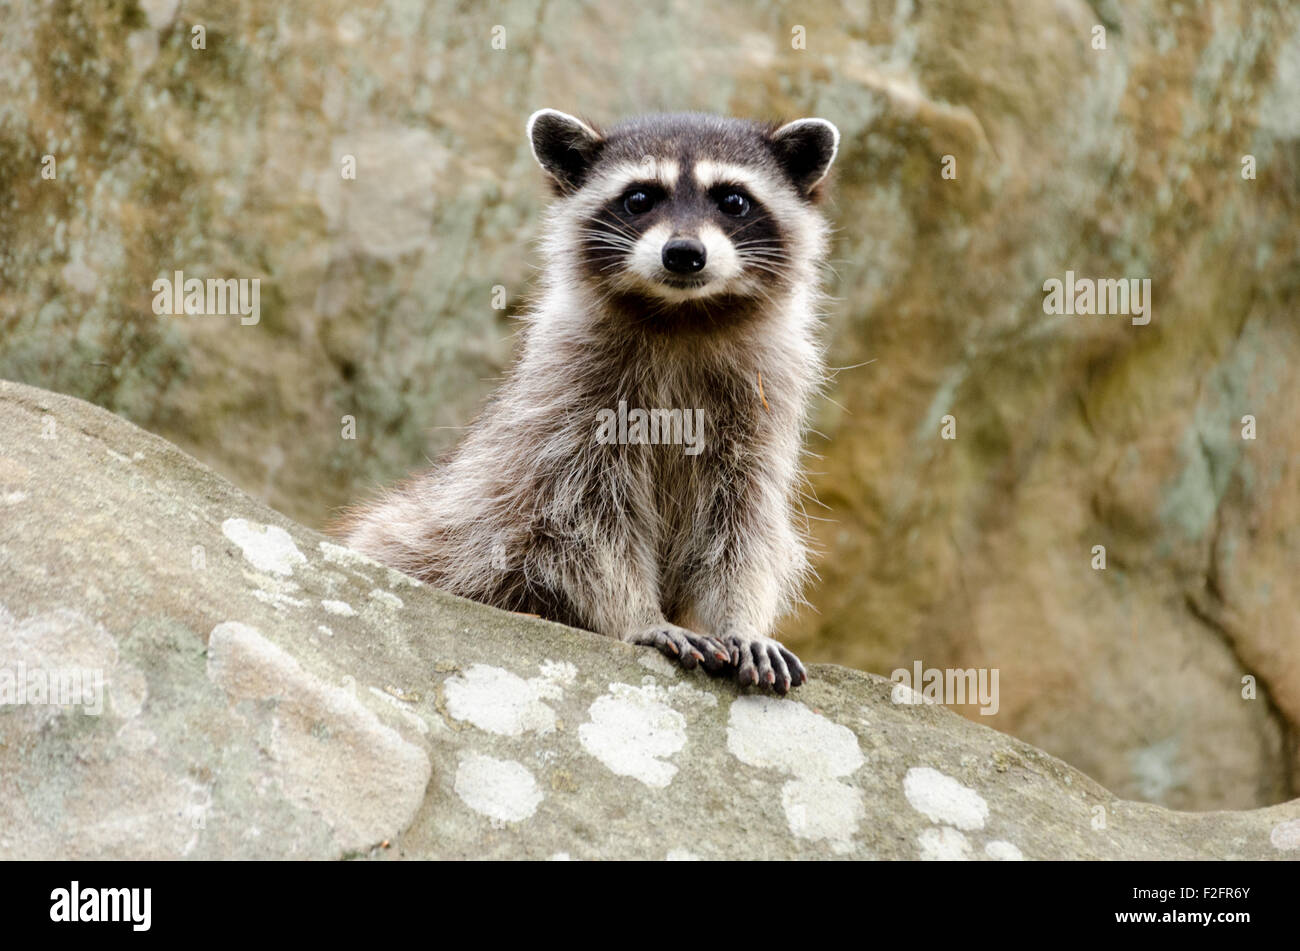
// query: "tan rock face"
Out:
[1071,431]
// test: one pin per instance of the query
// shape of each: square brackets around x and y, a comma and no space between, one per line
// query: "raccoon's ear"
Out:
[805,148]
[564,146]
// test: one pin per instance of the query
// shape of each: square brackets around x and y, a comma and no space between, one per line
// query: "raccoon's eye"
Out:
[734,204]
[638,202]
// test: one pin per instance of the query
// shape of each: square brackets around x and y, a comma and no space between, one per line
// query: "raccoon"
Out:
[681,270]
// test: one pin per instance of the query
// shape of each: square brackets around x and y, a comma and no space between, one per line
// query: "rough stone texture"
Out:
[270,694]
[1072,431]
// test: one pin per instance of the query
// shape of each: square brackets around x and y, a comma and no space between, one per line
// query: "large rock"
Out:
[270,694]
[377,303]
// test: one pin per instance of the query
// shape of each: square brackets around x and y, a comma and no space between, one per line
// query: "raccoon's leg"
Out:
[610,582]
[738,593]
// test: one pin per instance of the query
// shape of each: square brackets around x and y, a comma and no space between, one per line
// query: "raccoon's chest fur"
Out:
[747,443]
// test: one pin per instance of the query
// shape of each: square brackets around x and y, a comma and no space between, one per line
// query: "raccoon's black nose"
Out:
[684,256]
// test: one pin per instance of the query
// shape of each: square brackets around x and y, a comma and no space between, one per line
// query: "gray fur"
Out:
[695,554]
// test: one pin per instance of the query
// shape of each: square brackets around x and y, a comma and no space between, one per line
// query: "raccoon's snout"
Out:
[684,256]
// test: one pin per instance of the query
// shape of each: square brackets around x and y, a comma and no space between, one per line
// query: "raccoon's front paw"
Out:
[686,647]
[759,659]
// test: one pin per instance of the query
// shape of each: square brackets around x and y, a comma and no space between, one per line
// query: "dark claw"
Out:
[797,673]
[782,682]
[710,651]
[688,658]
[746,673]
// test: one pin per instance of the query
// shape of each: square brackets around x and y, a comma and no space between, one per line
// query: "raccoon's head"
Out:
[686,211]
